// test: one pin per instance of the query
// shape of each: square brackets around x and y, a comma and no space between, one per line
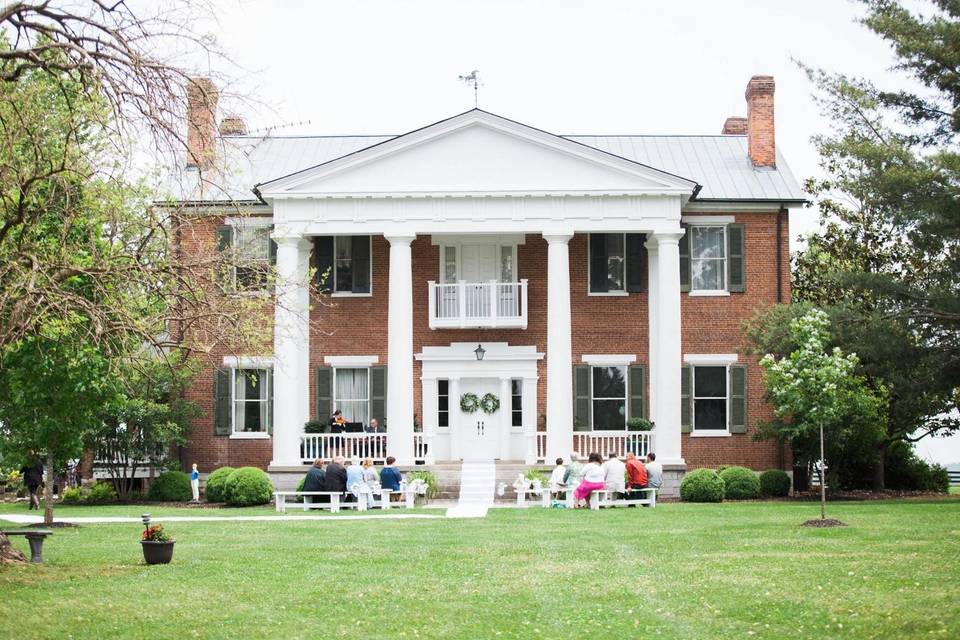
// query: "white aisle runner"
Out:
[478,479]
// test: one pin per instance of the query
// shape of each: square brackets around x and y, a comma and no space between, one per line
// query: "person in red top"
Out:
[636,473]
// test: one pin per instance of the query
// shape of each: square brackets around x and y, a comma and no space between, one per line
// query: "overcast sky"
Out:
[566,66]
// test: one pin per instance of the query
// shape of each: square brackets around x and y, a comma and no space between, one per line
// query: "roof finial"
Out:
[473,78]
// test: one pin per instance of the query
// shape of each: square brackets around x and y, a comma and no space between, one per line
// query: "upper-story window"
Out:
[252,253]
[616,263]
[344,264]
[478,262]
[712,256]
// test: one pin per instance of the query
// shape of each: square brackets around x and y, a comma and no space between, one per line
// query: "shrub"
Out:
[300,484]
[639,424]
[938,479]
[905,470]
[216,483]
[170,486]
[740,483]
[248,486]
[96,493]
[775,483]
[73,496]
[701,485]
[433,490]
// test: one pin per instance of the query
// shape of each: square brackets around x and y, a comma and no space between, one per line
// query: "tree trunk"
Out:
[879,469]
[9,555]
[823,479]
[48,492]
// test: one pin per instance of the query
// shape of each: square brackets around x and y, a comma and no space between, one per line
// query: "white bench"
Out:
[336,500]
[605,498]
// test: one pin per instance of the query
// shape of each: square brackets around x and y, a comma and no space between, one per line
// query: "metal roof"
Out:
[717,162]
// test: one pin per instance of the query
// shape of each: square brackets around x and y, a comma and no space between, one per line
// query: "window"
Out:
[506,264]
[615,264]
[344,264]
[449,264]
[516,402]
[351,394]
[251,400]
[251,256]
[609,397]
[709,398]
[478,261]
[708,260]
[443,403]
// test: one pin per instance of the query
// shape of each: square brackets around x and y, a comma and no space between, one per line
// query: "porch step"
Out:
[477,483]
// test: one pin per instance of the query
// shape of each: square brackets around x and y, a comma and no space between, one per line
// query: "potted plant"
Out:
[156,542]
[639,424]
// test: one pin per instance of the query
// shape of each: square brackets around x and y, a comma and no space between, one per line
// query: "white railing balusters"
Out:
[478,304]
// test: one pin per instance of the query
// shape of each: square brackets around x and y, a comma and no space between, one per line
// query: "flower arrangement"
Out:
[155,533]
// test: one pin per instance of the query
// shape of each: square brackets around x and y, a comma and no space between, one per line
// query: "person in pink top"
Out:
[593,479]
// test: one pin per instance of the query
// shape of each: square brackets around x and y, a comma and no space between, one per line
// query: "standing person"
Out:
[592,479]
[195,482]
[614,472]
[654,471]
[33,478]
[314,481]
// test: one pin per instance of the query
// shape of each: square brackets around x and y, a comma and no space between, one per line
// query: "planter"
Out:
[157,552]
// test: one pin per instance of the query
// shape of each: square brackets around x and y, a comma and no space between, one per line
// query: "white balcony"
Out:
[486,305]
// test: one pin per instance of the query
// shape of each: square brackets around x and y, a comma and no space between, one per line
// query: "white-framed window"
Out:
[452,268]
[351,393]
[708,257]
[443,403]
[250,254]
[608,397]
[606,267]
[351,268]
[516,402]
[251,389]
[710,398]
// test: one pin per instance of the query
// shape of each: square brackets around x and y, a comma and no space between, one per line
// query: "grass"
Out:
[687,571]
[955,491]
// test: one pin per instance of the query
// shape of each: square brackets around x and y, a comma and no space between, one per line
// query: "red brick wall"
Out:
[601,324]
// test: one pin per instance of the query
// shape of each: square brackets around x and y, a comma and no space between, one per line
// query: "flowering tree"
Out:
[817,388]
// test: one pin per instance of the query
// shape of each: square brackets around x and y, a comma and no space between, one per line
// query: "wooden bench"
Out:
[35,537]
[605,498]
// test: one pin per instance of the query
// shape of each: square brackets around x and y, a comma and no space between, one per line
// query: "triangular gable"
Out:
[476,153]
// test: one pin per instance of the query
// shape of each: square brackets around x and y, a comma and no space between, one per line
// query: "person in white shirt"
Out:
[654,471]
[614,471]
[556,478]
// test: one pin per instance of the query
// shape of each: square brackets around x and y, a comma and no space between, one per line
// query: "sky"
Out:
[565,66]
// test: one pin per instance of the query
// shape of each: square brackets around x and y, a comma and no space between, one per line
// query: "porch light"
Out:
[479,351]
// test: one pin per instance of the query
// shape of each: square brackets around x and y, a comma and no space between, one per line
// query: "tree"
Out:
[814,388]
[53,386]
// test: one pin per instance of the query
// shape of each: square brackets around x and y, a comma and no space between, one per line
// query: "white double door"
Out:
[478,266]
[478,433]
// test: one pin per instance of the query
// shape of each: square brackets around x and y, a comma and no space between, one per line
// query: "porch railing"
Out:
[462,305]
[356,445]
[622,443]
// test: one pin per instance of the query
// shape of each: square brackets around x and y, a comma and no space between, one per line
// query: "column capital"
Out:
[400,239]
[667,238]
[558,238]
[297,242]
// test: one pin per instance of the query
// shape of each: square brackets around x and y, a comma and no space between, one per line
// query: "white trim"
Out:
[333,391]
[741,207]
[708,293]
[710,433]
[612,360]
[605,294]
[710,359]
[706,221]
[356,362]
[248,221]
[438,239]
[250,435]
[349,294]
[248,362]
[726,259]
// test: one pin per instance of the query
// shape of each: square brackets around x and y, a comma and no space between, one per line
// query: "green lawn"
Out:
[686,571]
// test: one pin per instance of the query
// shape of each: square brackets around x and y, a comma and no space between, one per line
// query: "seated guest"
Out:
[374,427]
[314,481]
[654,471]
[390,477]
[370,473]
[375,445]
[592,479]
[556,478]
[335,478]
[355,483]
[636,473]
[574,471]
[613,474]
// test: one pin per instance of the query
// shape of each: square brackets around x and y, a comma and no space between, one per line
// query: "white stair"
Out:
[478,479]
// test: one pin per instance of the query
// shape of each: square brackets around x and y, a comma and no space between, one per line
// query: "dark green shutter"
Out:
[273,247]
[224,238]
[324,394]
[637,387]
[635,258]
[378,394]
[686,400]
[738,398]
[685,259]
[221,403]
[735,258]
[224,266]
[581,397]
[598,263]
[360,255]
[270,405]
[323,247]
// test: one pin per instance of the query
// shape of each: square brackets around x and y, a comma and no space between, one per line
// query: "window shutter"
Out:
[324,394]
[360,254]
[735,258]
[686,398]
[224,268]
[635,259]
[273,248]
[598,263]
[581,397]
[270,404]
[685,259]
[378,394]
[221,403]
[323,247]
[637,387]
[738,398]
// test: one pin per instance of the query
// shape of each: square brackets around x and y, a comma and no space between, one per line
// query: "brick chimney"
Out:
[202,97]
[735,126]
[233,125]
[761,141]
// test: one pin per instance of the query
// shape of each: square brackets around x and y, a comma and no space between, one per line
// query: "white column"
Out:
[653,307]
[530,420]
[428,403]
[667,438]
[400,351]
[506,419]
[453,404]
[291,349]
[559,348]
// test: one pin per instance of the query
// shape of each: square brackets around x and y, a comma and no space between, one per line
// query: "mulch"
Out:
[824,524]
[864,494]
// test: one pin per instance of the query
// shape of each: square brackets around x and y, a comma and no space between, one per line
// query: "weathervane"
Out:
[473,78]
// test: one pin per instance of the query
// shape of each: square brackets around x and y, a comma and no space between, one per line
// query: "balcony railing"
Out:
[467,305]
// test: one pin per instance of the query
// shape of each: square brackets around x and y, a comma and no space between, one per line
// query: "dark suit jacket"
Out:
[390,478]
[336,478]
[314,481]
